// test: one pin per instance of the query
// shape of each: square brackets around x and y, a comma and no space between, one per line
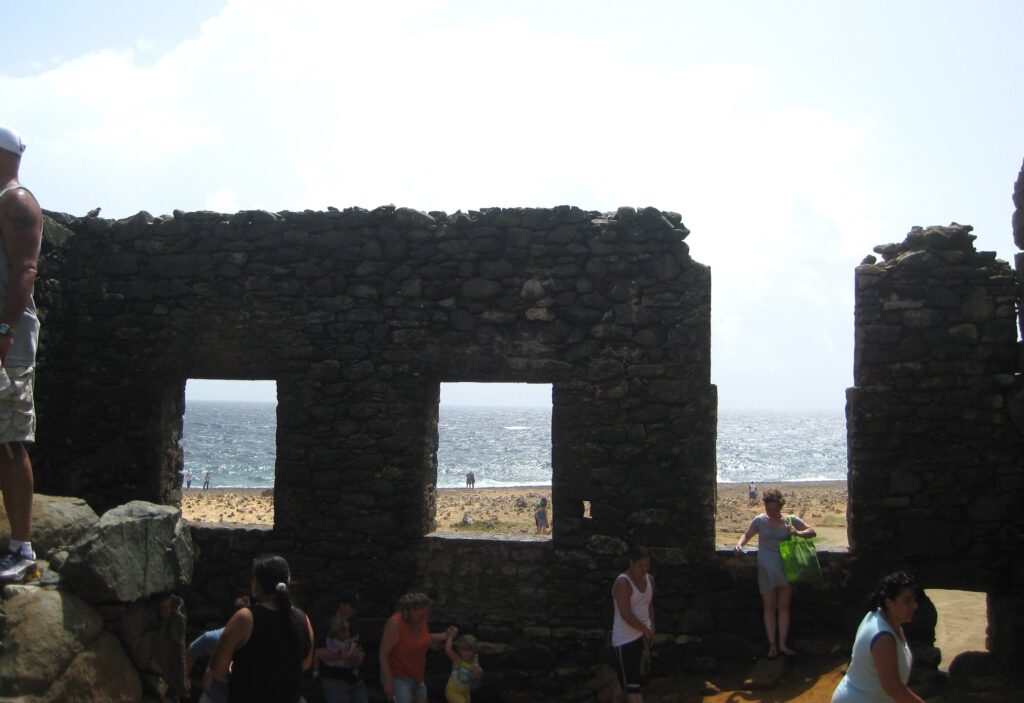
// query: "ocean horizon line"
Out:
[245,401]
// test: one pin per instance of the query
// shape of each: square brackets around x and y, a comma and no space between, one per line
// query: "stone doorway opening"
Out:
[493,459]
[229,448]
[961,624]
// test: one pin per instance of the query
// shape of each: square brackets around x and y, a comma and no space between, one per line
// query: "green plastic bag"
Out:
[799,559]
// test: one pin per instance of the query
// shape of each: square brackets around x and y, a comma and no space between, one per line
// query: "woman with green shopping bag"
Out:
[773,528]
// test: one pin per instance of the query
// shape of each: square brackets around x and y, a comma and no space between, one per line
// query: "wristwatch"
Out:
[6,329]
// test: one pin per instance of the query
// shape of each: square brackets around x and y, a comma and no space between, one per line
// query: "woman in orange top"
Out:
[403,649]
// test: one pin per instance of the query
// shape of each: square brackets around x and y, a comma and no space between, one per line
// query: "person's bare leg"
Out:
[17,483]
[635,698]
[785,597]
[770,603]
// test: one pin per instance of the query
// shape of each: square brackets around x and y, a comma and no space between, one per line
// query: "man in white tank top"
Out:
[633,623]
[21,228]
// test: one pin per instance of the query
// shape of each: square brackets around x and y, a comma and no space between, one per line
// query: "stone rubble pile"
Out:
[104,622]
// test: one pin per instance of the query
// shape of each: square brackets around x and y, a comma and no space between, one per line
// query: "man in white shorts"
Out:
[21,230]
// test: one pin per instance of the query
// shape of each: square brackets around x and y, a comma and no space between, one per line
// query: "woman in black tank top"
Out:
[267,645]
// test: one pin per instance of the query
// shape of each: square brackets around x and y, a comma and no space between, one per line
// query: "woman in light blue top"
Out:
[772,528]
[880,667]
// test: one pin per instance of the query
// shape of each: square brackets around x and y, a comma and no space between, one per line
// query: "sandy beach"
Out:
[493,511]
[511,510]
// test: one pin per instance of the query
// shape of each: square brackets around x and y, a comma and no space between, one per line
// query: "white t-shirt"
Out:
[861,684]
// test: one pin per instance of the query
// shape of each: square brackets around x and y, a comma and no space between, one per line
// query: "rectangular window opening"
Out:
[229,447]
[800,452]
[494,461]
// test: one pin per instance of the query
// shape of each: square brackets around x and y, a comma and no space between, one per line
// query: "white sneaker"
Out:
[15,566]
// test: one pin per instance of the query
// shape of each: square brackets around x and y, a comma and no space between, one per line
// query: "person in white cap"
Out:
[21,229]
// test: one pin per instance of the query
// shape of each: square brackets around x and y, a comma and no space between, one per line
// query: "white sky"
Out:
[791,136]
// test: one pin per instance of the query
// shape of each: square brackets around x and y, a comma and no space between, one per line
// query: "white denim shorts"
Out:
[17,406]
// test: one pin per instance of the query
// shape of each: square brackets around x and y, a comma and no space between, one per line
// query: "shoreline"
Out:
[797,483]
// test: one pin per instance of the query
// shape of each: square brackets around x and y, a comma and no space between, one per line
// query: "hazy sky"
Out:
[791,136]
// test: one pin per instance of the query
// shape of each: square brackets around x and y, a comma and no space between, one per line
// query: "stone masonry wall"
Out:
[936,476]
[360,315]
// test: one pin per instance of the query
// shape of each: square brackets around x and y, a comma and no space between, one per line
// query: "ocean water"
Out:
[235,442]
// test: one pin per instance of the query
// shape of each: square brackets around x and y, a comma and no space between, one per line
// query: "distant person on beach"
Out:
[773,528]
[202,647]
[540,516]
[267,646]
[403,649]
[633,623]
[21,229]
[470,480]
[880,667]
[466,669]
[206,481]
[188,478]
[752,494]
[339,655]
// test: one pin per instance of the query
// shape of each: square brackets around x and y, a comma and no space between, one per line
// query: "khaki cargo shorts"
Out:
[17,406]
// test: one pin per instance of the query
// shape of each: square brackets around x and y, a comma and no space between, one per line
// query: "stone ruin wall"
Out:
[936,478]
[359,316]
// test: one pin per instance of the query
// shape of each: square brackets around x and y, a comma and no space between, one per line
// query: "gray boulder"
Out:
[153,634]
[55,649]
[56,521]
[135,550]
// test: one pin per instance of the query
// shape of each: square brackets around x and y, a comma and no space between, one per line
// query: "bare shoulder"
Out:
[19,199]
[622,585]
[20,208]
[241,620]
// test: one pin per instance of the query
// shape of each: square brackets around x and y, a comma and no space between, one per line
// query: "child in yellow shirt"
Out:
[466,669]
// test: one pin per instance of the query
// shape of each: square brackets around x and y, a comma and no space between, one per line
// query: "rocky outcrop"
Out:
[133,552]
[56,521]
[55,648]
[104,623]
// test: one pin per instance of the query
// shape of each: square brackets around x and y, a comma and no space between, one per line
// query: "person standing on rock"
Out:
[21,229]
[633,623]
[206,481]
